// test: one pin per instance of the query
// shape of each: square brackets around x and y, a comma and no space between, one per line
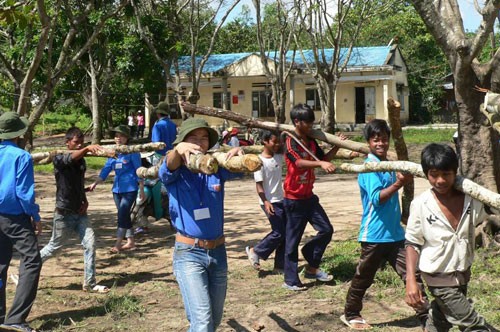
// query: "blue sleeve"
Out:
[136,162]
[108,167]
[156,135]
[371,184]
[25,187]
[172,135]
[166,176]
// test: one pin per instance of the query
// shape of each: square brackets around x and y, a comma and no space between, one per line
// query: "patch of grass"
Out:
[341,259]
[484,287]
[423,136]
[122,305]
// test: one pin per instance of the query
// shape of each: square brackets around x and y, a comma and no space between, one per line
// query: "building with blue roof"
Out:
[372,75]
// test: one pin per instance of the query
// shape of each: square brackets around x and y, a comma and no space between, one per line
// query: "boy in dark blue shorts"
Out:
[301,205]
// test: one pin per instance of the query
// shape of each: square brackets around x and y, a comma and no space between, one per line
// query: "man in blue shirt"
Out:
[19,218]
[197,210]
[164,130]
[381,235]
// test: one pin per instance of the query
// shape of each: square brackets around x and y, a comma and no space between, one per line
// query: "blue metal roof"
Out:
[360,57]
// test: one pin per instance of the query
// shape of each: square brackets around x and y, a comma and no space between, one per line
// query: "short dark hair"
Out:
[302,112]
[438,156]
[265,135]
[73,132]
[376,127]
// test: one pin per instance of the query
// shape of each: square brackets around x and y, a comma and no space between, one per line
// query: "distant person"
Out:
[131,123]
[70,215]
[381,234]
[141,124]
[234,141]
[19,223]
[197,211]
[301,205]
[269,185]
[440,242]
[164,130]
[125,187]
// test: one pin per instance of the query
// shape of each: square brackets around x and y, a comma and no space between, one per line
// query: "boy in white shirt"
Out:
[440,238]
[269,186]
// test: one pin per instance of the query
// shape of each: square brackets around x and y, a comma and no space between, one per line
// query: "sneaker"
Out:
[17,327]
[294,288]
[320,276]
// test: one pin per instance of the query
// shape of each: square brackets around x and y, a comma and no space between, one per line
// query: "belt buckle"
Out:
[206,244]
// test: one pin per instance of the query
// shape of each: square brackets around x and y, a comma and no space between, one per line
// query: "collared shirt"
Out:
[299,182]
[196,201]
[164,130]
[380,222]
[70,182]
[125,165]
[17,187]
[443,249]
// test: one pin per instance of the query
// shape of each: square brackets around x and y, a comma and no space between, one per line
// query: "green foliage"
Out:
[427,65]
[58,122]
[237,36]
[423,136]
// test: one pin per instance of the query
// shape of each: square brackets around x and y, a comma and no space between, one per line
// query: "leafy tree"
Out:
[426,62]
[275,33]
[479,144]
[238,35]
[50,39]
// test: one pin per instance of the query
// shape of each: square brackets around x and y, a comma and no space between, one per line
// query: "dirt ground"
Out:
[145,296]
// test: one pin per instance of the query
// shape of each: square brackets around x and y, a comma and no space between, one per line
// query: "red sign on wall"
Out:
[235,99]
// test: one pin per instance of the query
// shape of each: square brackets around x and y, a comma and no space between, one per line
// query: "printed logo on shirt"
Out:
[430,219]
[216,187]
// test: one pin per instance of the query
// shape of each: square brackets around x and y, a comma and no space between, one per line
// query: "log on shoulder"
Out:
[462,184]
[245,163]
[255,123]
[198,163]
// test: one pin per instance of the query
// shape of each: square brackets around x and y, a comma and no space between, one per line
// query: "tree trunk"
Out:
[394,108]
[96,119]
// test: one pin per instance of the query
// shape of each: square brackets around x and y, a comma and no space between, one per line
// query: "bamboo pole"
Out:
[255,123]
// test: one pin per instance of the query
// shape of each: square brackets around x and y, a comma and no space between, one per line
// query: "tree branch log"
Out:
[110,151]
[462,184]
[394,109]
[245,163]
[255,123]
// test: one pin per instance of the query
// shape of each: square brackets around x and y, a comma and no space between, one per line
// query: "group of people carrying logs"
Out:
[437,246]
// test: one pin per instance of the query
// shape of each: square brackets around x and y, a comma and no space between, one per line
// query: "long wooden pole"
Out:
[255,123]
[462,184]
[109,151]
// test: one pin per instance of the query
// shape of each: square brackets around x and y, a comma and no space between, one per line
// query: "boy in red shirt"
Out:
[301,205]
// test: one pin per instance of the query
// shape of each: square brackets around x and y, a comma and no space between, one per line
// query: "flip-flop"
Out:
[253,258]
[353,322]
[114,250]
[101,289]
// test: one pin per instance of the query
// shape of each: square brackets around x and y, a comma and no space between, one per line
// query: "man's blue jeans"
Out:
[63,225]
[202,278]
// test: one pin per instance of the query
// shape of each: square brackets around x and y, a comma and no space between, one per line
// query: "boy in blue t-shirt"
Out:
[381,235]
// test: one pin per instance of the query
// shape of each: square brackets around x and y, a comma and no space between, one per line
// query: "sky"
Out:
[469,15]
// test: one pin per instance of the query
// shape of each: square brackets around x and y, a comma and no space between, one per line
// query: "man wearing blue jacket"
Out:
[19,223]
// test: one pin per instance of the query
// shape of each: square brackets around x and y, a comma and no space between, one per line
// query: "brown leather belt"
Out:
[205,244]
